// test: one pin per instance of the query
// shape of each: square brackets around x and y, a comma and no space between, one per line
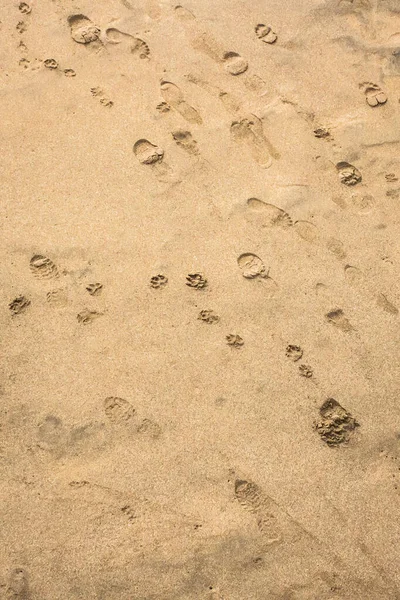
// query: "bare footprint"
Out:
[185,140]
[18,586]
[135,46]
[270,214]
[249,131]
[265,34]
[337,318]
[234,63]
[307,231]
[173,96]
[374,95]
[83,30]
[152,155]
[251,266]
[43,267]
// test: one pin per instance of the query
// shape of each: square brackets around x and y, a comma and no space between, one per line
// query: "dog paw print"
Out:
[265,34]
[19,305]
[24,8]
[163,107]
[306,371]
[196,280]
[348,174]
[294,352]
[158,281]
[234,340]
[94,289]
[50,63]
[88,316]
[208,316]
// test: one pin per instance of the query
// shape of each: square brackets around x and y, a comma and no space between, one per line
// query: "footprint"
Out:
[88,316]
[251,266]
[19,305]
[386,305]
[147,153]
[307,231]
[94,289]
[234,340]
[158,281]
[363,203]
[234,63]
[173,96]
[294,352]
[69,73]
[306,371]
[273,215]
[18,585]
[43,267]
[197,281]
[149,428]
[136,46]
[322,133]
[249,131]
[163,107]
[58,297]
[185,140]
[208,316]
[374,95]
[21,27]
[83,30]
[265,34]
[24,8]
[337,318]
[348,174]
[354,276]
[130,513]
[52,435]
[336,247]
[50,63]
[251,498]
[118,410]
[336,424]
[104,100]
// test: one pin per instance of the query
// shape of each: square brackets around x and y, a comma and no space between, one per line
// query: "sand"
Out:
[199,300]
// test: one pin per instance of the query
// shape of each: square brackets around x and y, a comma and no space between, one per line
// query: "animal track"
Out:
[251,498]
[158,281]
[386,305]
[234,340]
[374,95]
[273,215]
[24,8]
[88,316]
[294,352]
[19,305]
[251,266]
[322,133]
[196,280]
[50,63]
[348,174]
[265,33]
[173,96]
[336,247]
[336,424]
[94,289]
[185,140]
[130,513]
[249,131]
[306,371]
[136,46]
[208,316]
[118,410]
[58,297]
[69,73]
[163,107]
[104,100]
[43,267]
[337,318]
[21,27]
[18,585]
[83,30]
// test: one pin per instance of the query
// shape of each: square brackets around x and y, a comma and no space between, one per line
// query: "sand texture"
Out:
[200,300]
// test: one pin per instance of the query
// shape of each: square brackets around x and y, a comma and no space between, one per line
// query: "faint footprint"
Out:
[386,305]
[83,30]
[19,305]
[336,424]
[337,318]
[294,352]
[152,155]
[348,174]
[158,281]
[363,203]
[354,276]
[271,214]
[58,297]
[234,63]
[234,340]
[104,100]
[336,247]
[18,585]
[85,317]
[149,428]
[265,34]
[52,435]
[307,231]
[185,140]
[196,280]
[208,316]
[251,498]
[250,132]
[118,410]
[373,94]
[94,289]
[174,97]
[251,266]
[43,267]
[136,46]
